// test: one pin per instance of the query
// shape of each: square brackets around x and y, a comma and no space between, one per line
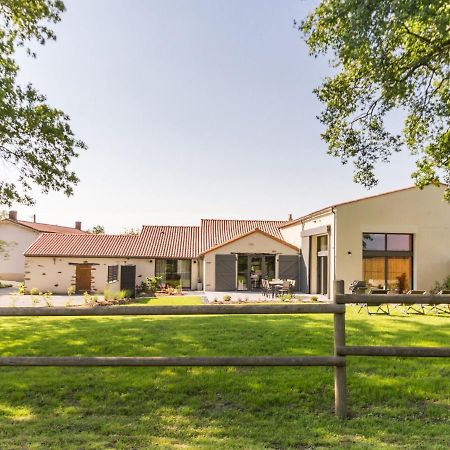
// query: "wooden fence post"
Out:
[340,374]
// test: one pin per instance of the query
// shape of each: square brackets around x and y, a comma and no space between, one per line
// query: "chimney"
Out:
[13,215]
[290,218]
[78,225]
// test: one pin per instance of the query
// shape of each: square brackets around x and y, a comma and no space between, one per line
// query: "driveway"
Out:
[10,297]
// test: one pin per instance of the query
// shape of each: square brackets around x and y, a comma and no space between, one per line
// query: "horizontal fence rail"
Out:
[337,361]
[162,361]
[407,299]
[324,308]
[363,350]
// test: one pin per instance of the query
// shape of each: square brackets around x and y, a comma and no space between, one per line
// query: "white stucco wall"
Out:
[57,274]
[293,234]
[312,228]
[253,243]
[423,213]
[18,239]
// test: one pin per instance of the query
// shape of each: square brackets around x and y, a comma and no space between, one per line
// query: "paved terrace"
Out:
[9,297]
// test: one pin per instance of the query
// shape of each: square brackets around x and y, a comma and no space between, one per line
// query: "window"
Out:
[113,273]
[388,260]
[322,243]
[174,272]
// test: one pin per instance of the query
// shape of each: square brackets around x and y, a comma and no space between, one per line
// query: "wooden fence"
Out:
[337,360]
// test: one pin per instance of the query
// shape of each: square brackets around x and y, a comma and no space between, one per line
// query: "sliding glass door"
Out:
[174,272]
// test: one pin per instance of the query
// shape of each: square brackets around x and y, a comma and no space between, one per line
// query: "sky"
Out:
[191,109]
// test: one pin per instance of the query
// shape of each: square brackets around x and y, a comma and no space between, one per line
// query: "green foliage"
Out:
[395,403]
[34,291]
[86,298]
[70,290]
[47,298]
[131,231]
[121,295]
[227,298]
[107,294]
[5,285]
[389,56]
[443,285]
[153,283]
[97,229]
[21,289]
[36,141]
[314,298]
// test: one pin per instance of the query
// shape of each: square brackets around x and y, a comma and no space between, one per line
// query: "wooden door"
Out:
[83,277]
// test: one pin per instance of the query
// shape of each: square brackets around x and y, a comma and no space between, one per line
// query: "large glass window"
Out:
[174,272]
[242,272]
[388,260]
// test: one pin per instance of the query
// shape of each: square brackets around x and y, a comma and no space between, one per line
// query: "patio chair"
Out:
[266,288]
[415,309]
[382,308]
[285,288]
[441,308]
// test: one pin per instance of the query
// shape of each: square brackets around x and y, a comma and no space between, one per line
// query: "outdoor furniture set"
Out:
[277,287]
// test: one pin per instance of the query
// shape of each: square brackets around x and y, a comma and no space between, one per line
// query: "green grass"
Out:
[394,403]
[163,301]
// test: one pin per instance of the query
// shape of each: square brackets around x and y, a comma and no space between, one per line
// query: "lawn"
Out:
[394,403]
[163,301]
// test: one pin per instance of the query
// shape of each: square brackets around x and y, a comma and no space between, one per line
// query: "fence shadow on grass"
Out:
[220,407]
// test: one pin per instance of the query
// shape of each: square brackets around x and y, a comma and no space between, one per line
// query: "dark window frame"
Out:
[386,254]
[113,273]
[172,263]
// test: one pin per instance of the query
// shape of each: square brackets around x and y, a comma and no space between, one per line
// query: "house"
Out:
[397,240]
[221,254]
[16,236]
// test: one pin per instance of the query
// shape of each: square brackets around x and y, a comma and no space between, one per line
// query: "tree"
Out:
[131,231]
[36,141]
[97,229]
[388,56]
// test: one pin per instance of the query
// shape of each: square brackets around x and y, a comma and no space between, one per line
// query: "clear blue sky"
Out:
[191,109]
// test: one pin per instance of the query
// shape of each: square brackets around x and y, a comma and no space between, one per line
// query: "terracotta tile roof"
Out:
[45,227]
[152,242]
[169,241]
[83,245]
[215,232]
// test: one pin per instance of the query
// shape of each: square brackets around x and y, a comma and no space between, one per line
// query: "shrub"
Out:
[106,294]
[86,297]
[314,298]
[21,289]
[47,298]
[34,291]
[121,295]
[70,290]
[5,285]
[227,298]
[441,286]
[153,284]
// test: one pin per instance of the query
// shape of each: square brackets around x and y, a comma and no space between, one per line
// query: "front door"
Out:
[128,280]
[83,277]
